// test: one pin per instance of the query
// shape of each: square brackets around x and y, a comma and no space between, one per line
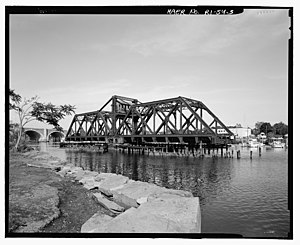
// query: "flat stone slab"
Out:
[166,213]
[110,205]
[88,183]
[64,171]
[124,201]
[149,208]
[106,192]
[110,181]
[96,223]
[139,190]
[80,174]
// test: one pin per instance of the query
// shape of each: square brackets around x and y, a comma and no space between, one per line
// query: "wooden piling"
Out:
[250,154]
[238,154]
[259,151]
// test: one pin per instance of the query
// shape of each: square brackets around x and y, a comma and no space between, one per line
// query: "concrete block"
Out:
[112,181]
[112,206]
[164,214]
[88,173]
[85,180]
[124,201]
[88,183]
[105,192]
[64,171]
[149,208]
[96,223]
[79,175]
[138,189]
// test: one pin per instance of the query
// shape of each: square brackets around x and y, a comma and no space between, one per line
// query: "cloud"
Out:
[183,36]
[202,35]
[172,36]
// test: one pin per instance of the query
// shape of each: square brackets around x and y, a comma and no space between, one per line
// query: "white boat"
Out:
[277,144]
[253,143]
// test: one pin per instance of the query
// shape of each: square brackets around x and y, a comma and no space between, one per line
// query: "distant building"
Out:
[240,132]
[220,130]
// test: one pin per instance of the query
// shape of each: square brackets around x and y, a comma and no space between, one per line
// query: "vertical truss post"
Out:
[86,123]
[76,125]
[175,119]
[154,115]
[105,123]
[216,129]
[114,111]
[200,121]
[181,117]
[133,124]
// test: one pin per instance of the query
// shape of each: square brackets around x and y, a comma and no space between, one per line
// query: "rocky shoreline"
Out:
[39,200]
[122,205]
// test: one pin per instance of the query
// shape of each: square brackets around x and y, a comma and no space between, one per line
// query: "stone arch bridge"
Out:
[44,134]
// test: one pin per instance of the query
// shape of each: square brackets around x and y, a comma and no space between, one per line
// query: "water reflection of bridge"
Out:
[200,176]
[44,134]
[126,120]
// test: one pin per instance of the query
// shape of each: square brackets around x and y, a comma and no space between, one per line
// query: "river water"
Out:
[239,196]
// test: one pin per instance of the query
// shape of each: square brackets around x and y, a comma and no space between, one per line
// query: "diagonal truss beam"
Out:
[197,116]
[143,121]
[166,118]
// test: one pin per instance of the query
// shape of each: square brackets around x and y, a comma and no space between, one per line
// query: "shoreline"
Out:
[41,201]
[118,204]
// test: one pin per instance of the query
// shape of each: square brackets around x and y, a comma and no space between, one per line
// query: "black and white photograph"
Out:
[157,121]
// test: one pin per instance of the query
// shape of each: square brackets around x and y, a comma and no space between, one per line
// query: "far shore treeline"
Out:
[278,129]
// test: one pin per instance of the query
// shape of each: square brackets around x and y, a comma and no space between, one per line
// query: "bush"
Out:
[25,148]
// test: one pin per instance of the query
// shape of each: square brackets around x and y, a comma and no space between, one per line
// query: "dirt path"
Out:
[42,201]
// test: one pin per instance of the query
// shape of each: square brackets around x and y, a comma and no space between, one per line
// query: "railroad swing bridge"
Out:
[177,120]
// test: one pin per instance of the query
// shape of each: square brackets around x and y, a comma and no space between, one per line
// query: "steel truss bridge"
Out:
[126,120]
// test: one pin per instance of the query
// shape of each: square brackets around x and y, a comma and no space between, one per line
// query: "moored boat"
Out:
[277,144]
[253,143]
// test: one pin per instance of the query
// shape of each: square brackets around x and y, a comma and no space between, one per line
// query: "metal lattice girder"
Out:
[176,117]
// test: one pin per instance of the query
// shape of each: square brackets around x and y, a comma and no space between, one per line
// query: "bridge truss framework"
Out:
[174,120]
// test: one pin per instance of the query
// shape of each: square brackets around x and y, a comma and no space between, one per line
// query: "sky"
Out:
[236,65]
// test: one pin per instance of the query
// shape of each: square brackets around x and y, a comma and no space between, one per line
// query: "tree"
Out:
[30,109]
[266,128]
[15,98]
[280,128]
[258,124]
[256,130]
